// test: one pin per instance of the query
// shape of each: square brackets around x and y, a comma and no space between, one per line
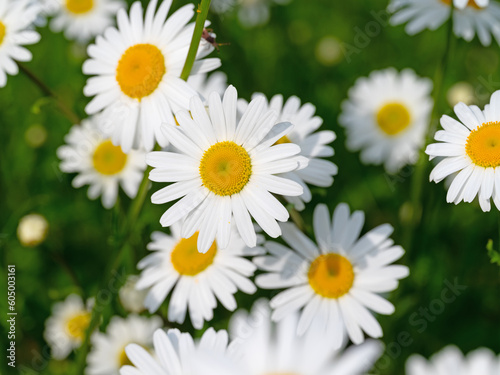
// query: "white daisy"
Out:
[177,354]
[386,117]
[16,17]
[451,361]
[82,20]
[108,349]
[100,164]
[131,298]
[138,67]
[225,168]
[199,279]
[32,230]
[313,145]
[335,280]
[461,4]
[471,147]
[205,85]
[276,349]
[470,17]
[65,329]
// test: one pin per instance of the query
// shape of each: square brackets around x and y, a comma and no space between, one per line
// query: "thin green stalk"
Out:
[416,190]
[65,110]
[122,244]
[195,41]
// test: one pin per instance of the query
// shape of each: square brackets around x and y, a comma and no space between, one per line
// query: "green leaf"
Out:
[492,253]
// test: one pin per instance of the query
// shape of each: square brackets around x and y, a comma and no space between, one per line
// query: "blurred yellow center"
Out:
[331,275]
[109,159]
[393,118]
[282,140]
[123,359]
[483,145]
[2,32]
[140,70]
[79,6]
[186,258]
[225,168]
[77,325]
[471,4]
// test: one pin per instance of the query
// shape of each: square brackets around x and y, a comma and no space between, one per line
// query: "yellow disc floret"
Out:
[186,258]
[283,140]
[225,168]
[393,118]
[79,6]
[483,145]
[109,159]
[140,70]
[2,32]
[331,275]
[123,359]
[77,325]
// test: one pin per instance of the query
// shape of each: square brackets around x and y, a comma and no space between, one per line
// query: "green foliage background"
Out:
[279,57]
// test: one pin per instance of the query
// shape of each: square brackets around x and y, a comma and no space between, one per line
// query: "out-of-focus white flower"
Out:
[461,92]
[131,298]
[32,230]
[451,361]
[65,329]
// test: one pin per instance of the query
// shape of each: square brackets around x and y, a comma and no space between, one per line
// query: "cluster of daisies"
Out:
[229,171]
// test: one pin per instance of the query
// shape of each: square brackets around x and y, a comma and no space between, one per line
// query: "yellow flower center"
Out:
[282,140]
[471,4]
[225,168]
[78,324]
[140,70]
[331,275]
[109,159]
[393,118]
[123,359]
[79,6]
[2,32]
[186,258]
[483,145]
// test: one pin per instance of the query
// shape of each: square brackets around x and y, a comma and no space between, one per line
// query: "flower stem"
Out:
[65,110]
[109,287]
[416,190]
[195,41]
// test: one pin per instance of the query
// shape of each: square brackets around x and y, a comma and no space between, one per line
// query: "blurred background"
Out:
[315,50]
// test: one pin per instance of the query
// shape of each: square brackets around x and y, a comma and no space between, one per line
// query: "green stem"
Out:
[112,270]
[423,164]
[65,110]
[195,41]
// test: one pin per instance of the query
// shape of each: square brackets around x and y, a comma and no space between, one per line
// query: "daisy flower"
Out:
[313,145]
[16,17]
[469,17]
[32,230]
[471,147]
[100,164]
[451,361]
[65,329]
[131,298]
[137,71]
[199,279]
[82,20]
[177,353]
[108,349]
[225,168]
[335,280]
[276,349]
[386,117]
